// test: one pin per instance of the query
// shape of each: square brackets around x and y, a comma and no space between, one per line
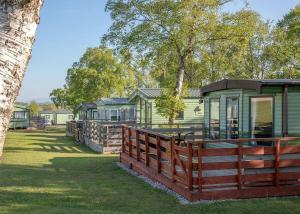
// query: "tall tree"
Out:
[97,74]
[34,108]
[150,27]
[18,23]
[58,97]
[284,51]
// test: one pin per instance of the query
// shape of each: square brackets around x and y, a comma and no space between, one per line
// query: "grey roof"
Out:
[156,92]
[247,84]
[21,106]
[58,111]
[63,111]
[114,101]
[87,105]
[47,112]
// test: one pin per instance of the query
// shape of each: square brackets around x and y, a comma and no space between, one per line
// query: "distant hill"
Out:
[39,100]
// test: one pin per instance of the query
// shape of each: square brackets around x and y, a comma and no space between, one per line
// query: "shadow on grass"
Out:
[51,144]
[65,183]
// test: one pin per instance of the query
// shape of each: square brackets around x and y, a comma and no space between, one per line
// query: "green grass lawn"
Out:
[46,172]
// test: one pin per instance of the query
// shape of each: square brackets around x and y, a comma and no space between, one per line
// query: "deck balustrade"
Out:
[199,171]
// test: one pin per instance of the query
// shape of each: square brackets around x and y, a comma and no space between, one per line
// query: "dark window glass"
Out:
[180,116]
[131,114]
[232,112]
[95,115]
[114,115]
[214,118]
[19,115]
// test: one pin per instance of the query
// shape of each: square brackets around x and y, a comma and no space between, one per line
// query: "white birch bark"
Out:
[18,23]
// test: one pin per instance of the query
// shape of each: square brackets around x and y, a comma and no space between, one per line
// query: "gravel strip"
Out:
[160,186]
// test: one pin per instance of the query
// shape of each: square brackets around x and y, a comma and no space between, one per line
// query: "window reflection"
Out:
[214,118]
[262,117]
[232,124]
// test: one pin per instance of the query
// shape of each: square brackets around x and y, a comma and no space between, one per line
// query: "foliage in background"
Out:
[97,74]
[284,51]
[166,102]
[181,44]
[166,34]
[34,108]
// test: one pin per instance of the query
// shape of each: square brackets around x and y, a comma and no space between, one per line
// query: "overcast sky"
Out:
[68,27]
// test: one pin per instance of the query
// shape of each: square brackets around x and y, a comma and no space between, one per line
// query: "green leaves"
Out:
[97,74]
[284,51]
[167,101]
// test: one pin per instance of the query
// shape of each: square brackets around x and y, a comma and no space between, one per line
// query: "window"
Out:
[95,115]
[132,115]
[106,115]
[214,118]
[70,117]
[232,118]
[114,115]
[180,116]
[124,114]
[47,116]
[19,115]
[261,117]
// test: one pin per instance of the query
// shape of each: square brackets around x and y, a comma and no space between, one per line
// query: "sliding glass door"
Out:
[262,115]
[232,120]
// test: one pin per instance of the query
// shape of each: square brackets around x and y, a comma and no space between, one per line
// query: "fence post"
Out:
[158,154]
[277,160]
[173,160]
[239,164]
[200,167]
[190,166]
[107,135]
[129,142]
[147,148]
[123,139]
[137,139]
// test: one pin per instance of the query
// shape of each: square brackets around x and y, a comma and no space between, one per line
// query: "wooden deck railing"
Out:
[198,171]
[71,128]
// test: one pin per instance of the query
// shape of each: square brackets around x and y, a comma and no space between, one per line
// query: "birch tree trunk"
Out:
[18,23]
[178,87]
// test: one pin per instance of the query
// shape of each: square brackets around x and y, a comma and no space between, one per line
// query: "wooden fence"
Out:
[103,137]
[99,136]
[199,172]
[71,129]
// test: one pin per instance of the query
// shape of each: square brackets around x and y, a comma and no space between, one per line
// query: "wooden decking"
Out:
[199,172]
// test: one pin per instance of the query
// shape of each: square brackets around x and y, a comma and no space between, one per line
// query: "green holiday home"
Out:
[20,117]
[115,110]
[146,110]
[252,108]
[57,117]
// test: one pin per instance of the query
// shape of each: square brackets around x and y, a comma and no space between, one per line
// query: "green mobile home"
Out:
[146,110]
[115,109]
[20,117]
[57,117]
[48,115]
[62,116]
[87,111]
[252,109]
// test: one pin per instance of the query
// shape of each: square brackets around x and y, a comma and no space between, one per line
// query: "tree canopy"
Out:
[177,45]
[189,43]
[97,74]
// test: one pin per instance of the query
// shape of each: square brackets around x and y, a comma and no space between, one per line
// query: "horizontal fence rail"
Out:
[219,169]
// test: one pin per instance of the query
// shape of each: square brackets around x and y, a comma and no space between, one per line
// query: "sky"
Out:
[69,27]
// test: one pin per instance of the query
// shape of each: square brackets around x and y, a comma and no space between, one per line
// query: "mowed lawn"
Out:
[46,172]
